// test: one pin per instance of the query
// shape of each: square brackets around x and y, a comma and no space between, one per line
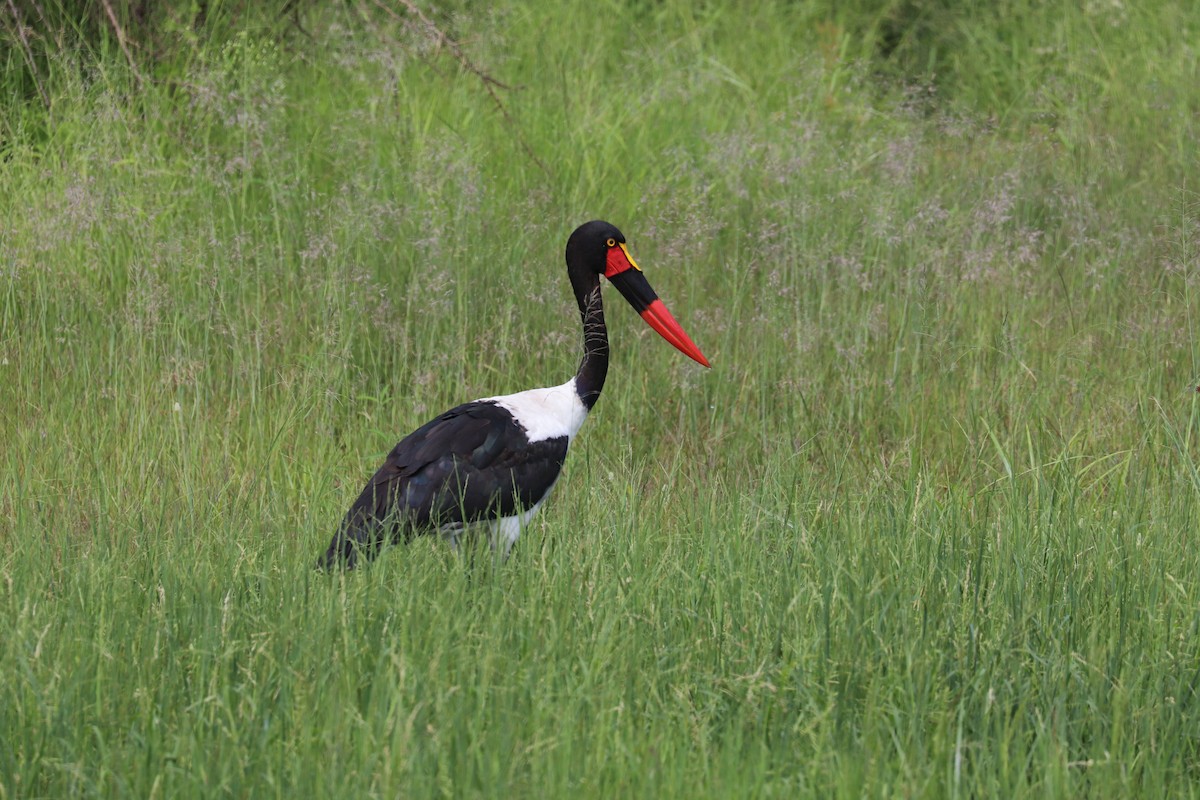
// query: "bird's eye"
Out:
[612,242]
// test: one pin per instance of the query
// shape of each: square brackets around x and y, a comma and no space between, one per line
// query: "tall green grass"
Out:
[925,528]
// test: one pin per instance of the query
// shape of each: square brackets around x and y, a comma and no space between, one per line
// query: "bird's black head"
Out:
[590,243]
[597,248]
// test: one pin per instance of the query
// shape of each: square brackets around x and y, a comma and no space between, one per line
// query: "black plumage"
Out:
[495,459]
[472,463]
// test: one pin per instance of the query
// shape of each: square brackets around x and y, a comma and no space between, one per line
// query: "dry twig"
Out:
[490,84]
[28,52]
[112,18]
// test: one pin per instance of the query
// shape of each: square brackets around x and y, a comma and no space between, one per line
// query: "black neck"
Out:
[589,380]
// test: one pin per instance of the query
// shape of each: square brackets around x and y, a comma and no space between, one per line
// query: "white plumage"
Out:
[545,413]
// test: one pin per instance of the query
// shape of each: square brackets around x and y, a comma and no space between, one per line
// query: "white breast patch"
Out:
[545,413]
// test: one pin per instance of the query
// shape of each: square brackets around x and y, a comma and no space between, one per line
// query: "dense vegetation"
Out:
[926,528]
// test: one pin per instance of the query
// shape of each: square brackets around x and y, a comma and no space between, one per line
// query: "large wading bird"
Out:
[494,461]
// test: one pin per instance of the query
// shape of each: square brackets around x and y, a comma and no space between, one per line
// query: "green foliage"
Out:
[925,528]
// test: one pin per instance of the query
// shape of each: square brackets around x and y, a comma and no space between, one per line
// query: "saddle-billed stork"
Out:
[493,461]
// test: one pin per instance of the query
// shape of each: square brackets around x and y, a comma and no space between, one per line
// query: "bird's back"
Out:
[475,462]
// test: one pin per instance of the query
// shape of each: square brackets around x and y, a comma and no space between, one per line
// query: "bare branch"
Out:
[112,18]
[489,83]
[28,52]
[435,33]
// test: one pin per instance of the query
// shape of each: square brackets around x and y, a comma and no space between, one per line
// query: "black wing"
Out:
[473,462]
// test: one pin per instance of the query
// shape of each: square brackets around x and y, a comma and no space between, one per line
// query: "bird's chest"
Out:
[543,414]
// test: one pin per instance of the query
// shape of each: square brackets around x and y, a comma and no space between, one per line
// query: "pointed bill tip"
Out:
[659,318]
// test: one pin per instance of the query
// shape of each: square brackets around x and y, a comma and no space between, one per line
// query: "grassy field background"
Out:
[927,528]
